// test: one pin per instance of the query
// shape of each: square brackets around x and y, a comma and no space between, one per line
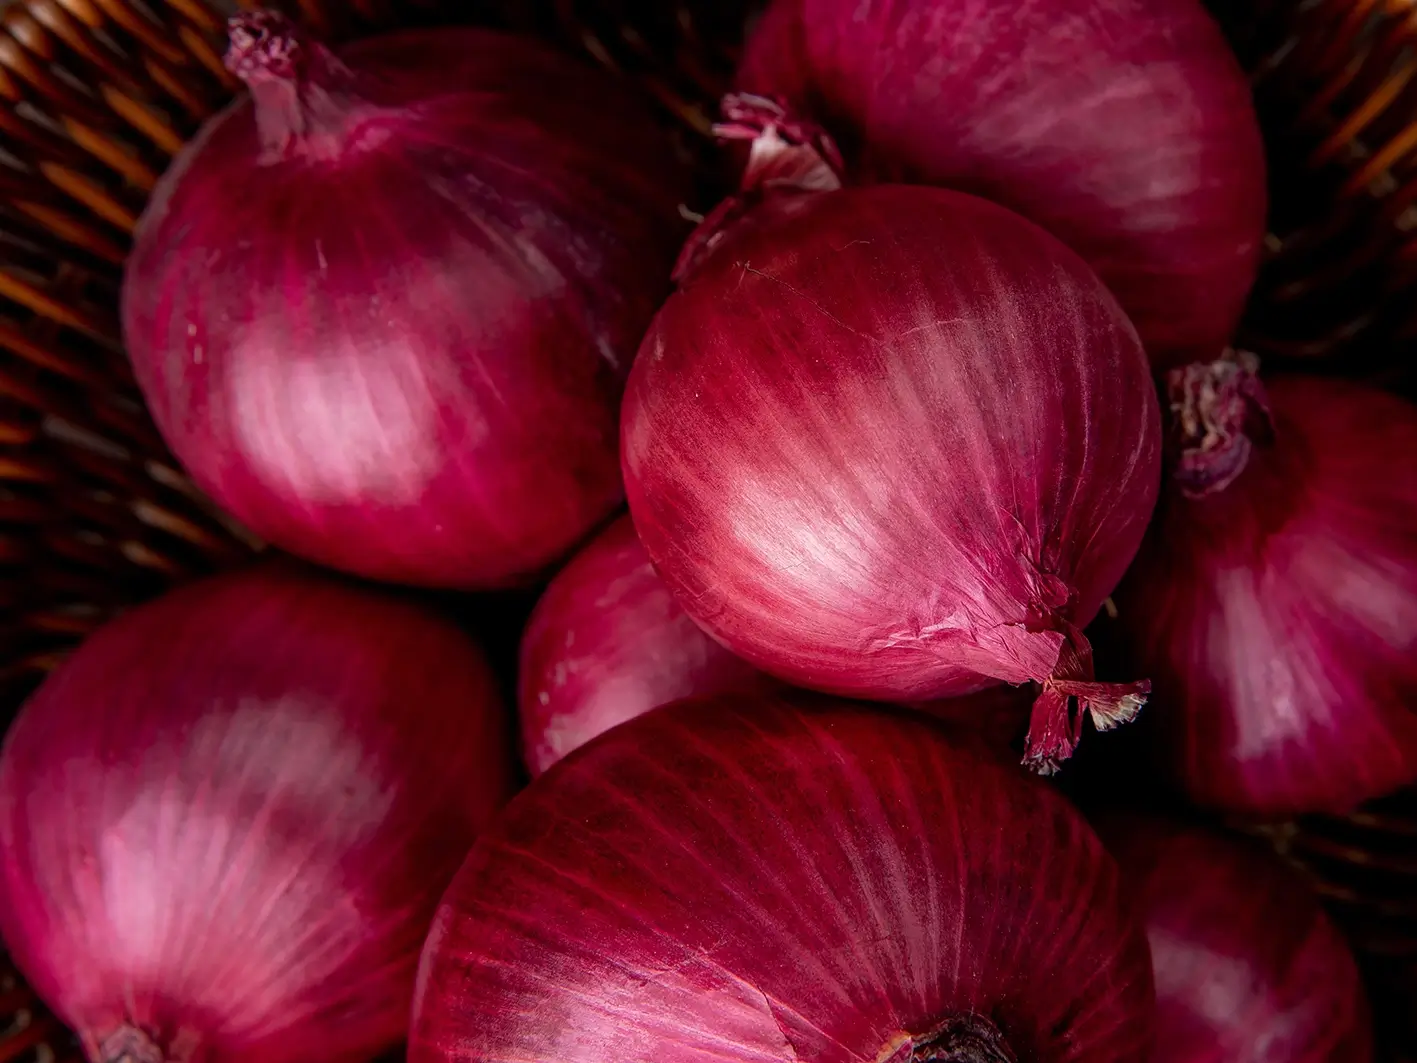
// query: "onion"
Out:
[894,443]
[606,643]
[383,308]
[228,818]
[1124,127]
[1248,968]
[1275,599]
[743,881]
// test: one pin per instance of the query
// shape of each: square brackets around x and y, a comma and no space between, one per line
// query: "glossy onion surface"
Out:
[738,879]
[228,818]
[1248,967]
[607,642]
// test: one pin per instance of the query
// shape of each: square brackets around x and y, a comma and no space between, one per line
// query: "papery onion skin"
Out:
[1277,614]
[228,818]
[606,643]
[384,316]
[1124,127]
[1248,967]
[896,443]
[740,879]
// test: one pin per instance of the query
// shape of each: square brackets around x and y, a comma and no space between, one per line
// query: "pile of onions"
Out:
[1124,127]
[742,880]
[606,643]
[228,818]
[1248,968]
[893,442]
[1274,602]
[382,309]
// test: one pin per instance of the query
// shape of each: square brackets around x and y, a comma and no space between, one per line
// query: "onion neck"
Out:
[962,1038]
[787,156]
[1069,695]
[128,1044]
[1219,411]
[305,99]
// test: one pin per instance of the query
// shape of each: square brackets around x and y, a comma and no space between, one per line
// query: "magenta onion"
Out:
[1248,968]
[607,642]
[1124,127]
[896,443]
[383,308]
[738,879]
[227,819]
[1278,613]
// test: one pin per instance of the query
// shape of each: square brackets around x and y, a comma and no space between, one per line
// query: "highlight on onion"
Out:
[1123,127]
[743,880]
[382,308]
[606,643]
[228,817]
[1274,601]
[1248,967]
[893,442]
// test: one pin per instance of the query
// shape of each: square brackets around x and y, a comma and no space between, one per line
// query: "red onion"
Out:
[383,308]
[1124,127]
[228,818]
[605,643]
[895,443]
[1275,599]
[1248,968]
[739,880]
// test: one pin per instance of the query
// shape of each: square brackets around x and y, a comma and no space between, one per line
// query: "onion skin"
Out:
[383,314]
[1248,967]
[896,443]
[1275,604]
[227,820]
[606,643]
[741,879]
[1124,127]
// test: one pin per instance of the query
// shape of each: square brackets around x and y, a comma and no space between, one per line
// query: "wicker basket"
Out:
[1336,84]
[97,95]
